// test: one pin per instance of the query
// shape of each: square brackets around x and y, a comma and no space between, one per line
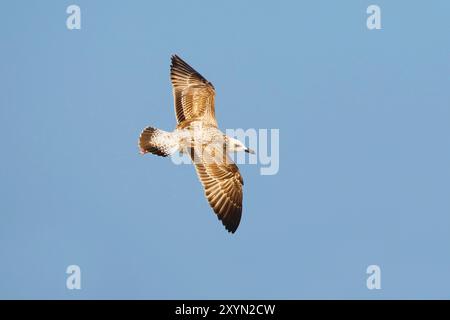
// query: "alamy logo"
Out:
[264,149]
[374,20]
[73,21]
[374,279]
[74,279]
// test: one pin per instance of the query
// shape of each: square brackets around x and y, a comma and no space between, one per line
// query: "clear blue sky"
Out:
[364,161]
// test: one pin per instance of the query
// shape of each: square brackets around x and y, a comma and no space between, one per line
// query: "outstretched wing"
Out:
[222,182]
[193,94]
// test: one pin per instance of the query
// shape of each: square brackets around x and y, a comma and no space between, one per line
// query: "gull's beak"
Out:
[249,151]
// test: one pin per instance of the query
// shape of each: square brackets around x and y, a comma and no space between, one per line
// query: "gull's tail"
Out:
[159,142]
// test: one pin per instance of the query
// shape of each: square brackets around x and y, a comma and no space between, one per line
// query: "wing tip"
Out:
[231,230]
[176,60]
[230,220]
[174,56]
[182,70]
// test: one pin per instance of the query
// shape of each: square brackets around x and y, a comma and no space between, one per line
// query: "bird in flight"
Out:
[197,134]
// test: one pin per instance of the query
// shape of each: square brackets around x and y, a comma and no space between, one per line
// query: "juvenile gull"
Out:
[198,135]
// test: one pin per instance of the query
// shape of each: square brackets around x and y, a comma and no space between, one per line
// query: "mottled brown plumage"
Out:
[197,132]
[220,177]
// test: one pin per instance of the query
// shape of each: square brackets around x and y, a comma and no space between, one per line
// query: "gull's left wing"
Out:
[193,94]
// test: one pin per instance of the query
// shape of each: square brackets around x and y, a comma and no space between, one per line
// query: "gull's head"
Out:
[235,145]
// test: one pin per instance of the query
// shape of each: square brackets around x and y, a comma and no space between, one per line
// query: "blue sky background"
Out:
[364,150]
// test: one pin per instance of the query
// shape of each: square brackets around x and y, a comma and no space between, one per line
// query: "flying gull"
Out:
[198,135]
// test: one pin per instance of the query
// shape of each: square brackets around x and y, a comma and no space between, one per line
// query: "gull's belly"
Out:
[198,135]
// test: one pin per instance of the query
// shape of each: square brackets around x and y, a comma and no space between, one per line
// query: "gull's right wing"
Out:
[222,182]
